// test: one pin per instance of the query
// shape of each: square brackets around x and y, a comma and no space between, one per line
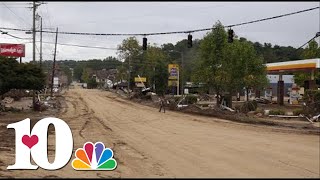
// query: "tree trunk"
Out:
[218,99]
[247,91]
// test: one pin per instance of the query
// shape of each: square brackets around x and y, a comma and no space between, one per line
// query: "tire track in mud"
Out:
[82,120]
[123,151]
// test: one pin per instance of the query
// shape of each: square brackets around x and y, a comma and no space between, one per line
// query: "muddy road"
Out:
[147,143]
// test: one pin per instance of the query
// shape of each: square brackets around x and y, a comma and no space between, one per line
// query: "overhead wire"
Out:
[21,19]
[308,41]
[172,32]
[82,46]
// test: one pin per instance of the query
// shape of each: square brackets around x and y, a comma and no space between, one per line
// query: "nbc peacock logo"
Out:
[94,157]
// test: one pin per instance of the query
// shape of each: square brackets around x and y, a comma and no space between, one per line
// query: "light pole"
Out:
[182,66]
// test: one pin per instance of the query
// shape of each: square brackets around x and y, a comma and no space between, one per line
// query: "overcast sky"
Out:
[146,17]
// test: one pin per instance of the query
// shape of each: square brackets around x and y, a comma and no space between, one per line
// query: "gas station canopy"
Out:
[289,66]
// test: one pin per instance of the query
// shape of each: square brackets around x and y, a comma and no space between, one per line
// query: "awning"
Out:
[289,66]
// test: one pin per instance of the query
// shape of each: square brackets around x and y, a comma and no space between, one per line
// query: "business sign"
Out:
[55,82]
[140,79]
[173,70]
[172,82]
[12,50]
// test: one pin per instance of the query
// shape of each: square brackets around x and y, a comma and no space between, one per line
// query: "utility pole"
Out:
[34,31]
[182,66]
[34,45]
[54,62]
[178,81]
[129,76]
[154,80]
[40,42]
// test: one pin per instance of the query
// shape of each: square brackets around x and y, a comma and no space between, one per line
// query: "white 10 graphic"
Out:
[35,143]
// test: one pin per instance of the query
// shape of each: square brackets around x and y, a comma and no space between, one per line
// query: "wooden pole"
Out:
[54,62]
[41,44]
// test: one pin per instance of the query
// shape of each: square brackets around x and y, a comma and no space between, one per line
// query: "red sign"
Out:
[12,50]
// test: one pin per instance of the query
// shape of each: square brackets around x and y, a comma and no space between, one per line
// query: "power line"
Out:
[13,7]
[82,46]
[172,32]
[317,35]
[6,33]
[75,45]
[21,19]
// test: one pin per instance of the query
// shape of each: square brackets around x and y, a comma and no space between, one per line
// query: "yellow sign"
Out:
[141,79]
[173,70]
[172,83]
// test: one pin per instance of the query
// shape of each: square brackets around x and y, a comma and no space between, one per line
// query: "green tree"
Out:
[121,74]
[130,51]
[245,68]
[161,77]
[210,69]
[66,70]
[312,51]
[77,72]
[228,67]
[85,77]
[155,62]
[20,76]
[152,57]
[92,83]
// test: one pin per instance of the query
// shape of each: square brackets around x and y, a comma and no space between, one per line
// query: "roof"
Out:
[306,64]
[104,74]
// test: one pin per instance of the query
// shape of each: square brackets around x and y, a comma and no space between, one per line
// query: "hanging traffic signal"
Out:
[144,43]
[189,41]
[230,35]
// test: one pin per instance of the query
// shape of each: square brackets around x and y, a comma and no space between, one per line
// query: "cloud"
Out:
[145,17]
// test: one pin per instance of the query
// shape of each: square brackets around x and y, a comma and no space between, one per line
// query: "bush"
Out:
[16,94]
[191,99]
[312,100]
[249,106]
[258,110]
[146,97]
[277,112]
[297,112]
[92,83]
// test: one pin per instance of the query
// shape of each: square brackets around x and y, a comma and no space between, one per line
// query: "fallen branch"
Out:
[306,118]
[226,108]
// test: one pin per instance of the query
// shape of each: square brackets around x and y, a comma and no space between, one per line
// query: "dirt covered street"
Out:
[147,143]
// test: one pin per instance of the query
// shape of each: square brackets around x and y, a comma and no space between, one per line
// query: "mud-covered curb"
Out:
[238,117]
[234,117]
[242,118]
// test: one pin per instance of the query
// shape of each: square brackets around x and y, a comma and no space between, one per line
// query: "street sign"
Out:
[140,79]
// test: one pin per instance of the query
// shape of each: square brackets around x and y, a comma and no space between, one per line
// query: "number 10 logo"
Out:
[35,144]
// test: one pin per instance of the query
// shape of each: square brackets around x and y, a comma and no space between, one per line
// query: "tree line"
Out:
[223,67]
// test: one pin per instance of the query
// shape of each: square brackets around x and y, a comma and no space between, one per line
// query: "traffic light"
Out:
[230,35]
[189,41]
[144,43]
